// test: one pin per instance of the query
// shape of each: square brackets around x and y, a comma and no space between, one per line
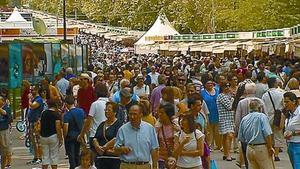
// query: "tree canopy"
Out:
[187,16]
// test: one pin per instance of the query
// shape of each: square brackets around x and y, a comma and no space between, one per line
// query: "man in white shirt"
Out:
[154,76]
[277,98]
[141,89]
[261,68]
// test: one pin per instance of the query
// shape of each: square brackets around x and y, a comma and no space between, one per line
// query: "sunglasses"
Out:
[181,80]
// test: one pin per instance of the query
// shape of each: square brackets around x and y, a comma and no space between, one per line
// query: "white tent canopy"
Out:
[15,16]
[161,27]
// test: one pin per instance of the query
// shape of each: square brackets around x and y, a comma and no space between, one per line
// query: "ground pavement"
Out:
[21,155]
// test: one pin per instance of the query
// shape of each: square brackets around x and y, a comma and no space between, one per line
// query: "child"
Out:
[85,160]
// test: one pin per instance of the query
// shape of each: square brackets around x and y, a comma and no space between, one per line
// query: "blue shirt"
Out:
[141,141]
[5,120]
[211,102]
[62,85]
[117,98]
[254,128]
[35,114]
[74,118]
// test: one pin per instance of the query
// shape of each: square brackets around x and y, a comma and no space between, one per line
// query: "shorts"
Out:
[50,149]
[34,137]
[5,146]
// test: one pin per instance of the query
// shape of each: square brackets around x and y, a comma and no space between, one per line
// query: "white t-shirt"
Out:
[98,114]
[188,162]
[91,167]
[141,91]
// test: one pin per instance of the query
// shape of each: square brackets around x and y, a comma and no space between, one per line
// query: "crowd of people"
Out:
[150,111]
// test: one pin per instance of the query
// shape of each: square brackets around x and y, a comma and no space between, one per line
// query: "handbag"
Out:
[279,117]
[213,164]
[171,162]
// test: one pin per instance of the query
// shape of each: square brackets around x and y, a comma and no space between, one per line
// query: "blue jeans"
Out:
[294,154]
[73,152]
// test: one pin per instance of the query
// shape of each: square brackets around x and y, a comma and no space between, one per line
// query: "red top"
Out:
[25,99]
[85,98]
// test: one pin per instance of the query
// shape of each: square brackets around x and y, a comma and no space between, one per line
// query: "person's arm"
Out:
[3,112]
[119,147]
[33,105]
[86,127]
[154,157]
[59,132]
[269,142]
[195,153]
[179,146]
[65,129]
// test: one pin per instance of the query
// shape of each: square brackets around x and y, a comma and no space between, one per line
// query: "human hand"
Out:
[80,138]
[186,139]
[288,134]
[99,150]
[125,150]
[60,142]
[271,151]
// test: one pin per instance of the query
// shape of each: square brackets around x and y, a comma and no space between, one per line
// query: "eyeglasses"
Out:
[227,85]
[181,80]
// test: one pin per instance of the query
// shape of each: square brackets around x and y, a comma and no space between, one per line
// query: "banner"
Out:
[15,65]
[56,58]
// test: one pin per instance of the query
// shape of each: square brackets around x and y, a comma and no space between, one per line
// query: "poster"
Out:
[72,56]
[39,53]
[15,65]
[79,58]
[29,60]
[65,55]
[4,70]
[48,52]
[56,58]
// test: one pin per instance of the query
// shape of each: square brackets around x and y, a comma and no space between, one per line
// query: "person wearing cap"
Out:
[124,83]
[142,90]
[256,132]
[85,96]
[137,142]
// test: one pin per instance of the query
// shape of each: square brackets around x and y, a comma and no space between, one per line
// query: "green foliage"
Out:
[187,16]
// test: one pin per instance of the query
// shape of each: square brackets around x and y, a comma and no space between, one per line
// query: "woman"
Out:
[165,130]
[209,95]
[226,119]
[167,96]
[189,145]
[51,135]
[147,116]
[292,133]
[233,80]
[105,137]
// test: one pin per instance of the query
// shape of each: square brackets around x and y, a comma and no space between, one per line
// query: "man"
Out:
[141,89]
[255,130]
[62,84]
[156,93]
[273,100]
[124,105]
[261,68]
[261,86]
[5,120]
[36,106]
[124,83]
[70,74]
[136,141]
[154,77]
[73,122]
[85,96]
[242,110]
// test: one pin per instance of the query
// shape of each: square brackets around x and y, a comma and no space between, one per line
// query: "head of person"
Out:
[290,101]
[25,85]
[112,77]
[35,90]
[181,80]
[195,102]
[43,93]
[69,70]
[125,96]
[250,89]
[153,69]
[177,93]
[86,158]
[135,115]
[101,90]
[255,106]
[52,103]
[207,81]
[225,87]
[140,80]
[167,94]
[190,89]
[124,83]
[166,112]
[220,79]
[145,105]
[232,79]
[272,82]
[293,84]
[70,101]
[187,122]
[261,65]
[84,80]
[261,77]
[162,79]
[111,110]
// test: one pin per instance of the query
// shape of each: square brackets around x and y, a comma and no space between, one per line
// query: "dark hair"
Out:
[168,109]
[291,96]
[223,86]
[260,76]
[114,106]
[52,103]
[272,82]
[239,94]
[195,97]
[101,90]
[70,100]
[190,118]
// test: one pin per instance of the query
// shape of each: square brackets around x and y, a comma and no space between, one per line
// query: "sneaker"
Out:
[37,162]
[31,162]
[276,159]
[8,167]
